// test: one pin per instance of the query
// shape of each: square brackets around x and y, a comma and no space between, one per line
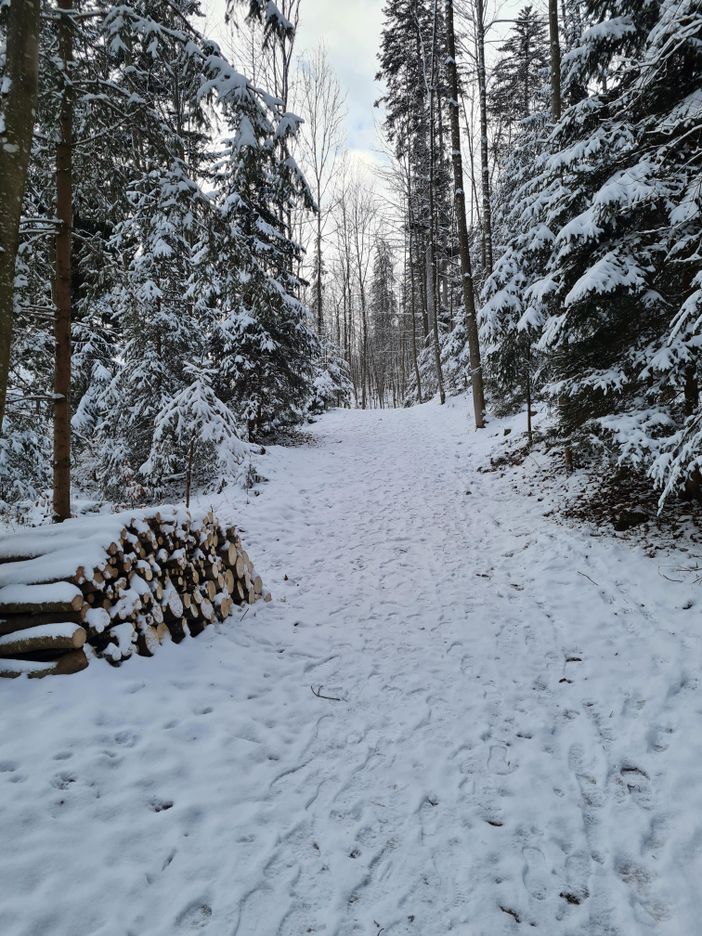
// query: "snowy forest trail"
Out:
[505,735]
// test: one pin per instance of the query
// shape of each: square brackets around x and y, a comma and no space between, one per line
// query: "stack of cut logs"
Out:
[109,588]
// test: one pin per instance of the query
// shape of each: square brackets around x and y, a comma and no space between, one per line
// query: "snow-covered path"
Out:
[512,740]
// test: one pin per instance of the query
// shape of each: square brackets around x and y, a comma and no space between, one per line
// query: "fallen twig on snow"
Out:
[667,577]
[587,577]
[318,693]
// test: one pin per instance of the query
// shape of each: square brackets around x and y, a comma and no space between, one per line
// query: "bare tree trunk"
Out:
[413,305]
[21,70]
[62,288]
[432,272]
[423,294]
[434,316]
[365,379]
[474,200]
[318,284]
[189,470]
[555,60]
[476,371]
[530,431]
[691,392]
[484,167]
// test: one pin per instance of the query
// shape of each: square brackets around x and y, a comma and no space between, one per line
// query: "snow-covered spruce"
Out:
[602,266]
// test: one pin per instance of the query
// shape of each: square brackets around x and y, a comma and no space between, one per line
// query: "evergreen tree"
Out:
[615,212]
[518,86]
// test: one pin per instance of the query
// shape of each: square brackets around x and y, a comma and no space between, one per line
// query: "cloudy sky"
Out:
[351,34]
[350,31]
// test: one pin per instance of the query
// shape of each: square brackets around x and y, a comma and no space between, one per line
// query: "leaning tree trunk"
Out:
[476,371]
[21,71]
[555,60]
[62,288]
[484,166]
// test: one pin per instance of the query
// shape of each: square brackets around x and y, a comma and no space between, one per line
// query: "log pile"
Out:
[116,585]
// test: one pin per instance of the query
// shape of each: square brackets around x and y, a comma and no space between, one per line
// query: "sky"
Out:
[350,32]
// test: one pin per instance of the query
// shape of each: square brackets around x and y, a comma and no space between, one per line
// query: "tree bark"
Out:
[555,60]
[484,167]
[432,272]
[413,306]
[476,371]
[62,288]
[36,638]
[21,70]
[72,662]
[320,298]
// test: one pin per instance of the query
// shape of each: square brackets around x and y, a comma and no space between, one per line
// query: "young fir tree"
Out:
[518,85]
[264,344]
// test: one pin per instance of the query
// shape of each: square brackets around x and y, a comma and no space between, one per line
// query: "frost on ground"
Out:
[505,737]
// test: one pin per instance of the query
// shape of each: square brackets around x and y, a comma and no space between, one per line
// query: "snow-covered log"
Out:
[61,636]
[124,582]
[72,662]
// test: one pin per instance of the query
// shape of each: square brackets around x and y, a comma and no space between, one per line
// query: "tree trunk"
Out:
[318,245]
[189,470]
[413,305]
[692,391]
[432,272]
[476,371]
[365,380]
[484,168]
[62,289]
[434,315]
[555,60]
[21,70]
[530,431]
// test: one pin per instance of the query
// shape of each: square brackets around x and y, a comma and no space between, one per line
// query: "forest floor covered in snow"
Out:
[458,715]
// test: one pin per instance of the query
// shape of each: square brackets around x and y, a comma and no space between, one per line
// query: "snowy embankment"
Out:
[506,732]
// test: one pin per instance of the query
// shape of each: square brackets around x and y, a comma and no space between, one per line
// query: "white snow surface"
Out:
[516,734]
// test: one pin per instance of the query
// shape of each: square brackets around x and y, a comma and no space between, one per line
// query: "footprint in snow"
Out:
[658,738]
[636,783]
[535,875]
[497,760]
[577,874]
[126,738]
[196,916]
[161,805]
